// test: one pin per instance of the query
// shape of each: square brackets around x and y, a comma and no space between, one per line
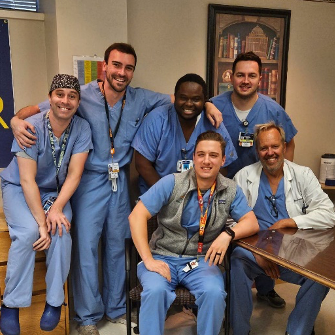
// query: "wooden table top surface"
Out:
[308,252]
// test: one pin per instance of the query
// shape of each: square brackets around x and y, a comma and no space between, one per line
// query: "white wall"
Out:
[170,38]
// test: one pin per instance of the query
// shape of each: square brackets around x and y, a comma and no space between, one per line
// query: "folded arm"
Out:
[146,170]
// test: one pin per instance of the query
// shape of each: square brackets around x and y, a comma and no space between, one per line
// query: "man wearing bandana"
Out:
[36,187]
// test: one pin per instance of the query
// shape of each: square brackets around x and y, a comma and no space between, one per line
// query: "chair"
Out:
[183,295]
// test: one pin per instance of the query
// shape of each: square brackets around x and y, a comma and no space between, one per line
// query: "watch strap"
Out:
[230,232]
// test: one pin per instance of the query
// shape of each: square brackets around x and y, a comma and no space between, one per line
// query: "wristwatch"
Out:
[230,232]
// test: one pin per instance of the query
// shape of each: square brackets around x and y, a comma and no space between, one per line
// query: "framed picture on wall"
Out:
[235,29]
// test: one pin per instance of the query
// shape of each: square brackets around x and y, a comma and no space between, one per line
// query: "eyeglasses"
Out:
[274,210]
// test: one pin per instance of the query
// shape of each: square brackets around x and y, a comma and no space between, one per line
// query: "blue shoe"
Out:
[9,321]
[50,317]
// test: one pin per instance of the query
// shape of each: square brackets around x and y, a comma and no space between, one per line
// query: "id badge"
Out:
[113,171]
[245,140]
[184,165]
[48,204]
[190,266]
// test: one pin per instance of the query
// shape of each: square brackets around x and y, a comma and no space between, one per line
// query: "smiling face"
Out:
[119,70]
[207,161]
[271,150]
[246,79]
[189,100]
[64,103]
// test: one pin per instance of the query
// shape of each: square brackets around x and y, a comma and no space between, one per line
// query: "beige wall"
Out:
[170,37]
[26,31]
[82,28]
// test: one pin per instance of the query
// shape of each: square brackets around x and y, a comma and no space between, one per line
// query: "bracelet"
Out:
[230,232]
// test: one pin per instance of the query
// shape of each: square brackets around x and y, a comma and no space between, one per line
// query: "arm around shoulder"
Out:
[20,126]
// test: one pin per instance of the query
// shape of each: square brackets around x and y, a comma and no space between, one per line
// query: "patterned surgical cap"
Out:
[64,81]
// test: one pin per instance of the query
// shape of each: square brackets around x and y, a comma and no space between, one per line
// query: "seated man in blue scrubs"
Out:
[283,195]
[36,188]
[165,141]
[191,239]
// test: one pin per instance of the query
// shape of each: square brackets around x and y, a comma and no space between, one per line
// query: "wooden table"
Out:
[307,252]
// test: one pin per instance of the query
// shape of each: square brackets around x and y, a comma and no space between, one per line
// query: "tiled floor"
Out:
[265,320]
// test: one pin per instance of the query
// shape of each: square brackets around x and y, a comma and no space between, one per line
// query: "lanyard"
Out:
[203,216]
[118,121]
[53,150]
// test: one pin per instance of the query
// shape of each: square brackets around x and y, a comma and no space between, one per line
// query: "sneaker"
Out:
[122,320]
[88,330]
[272,298]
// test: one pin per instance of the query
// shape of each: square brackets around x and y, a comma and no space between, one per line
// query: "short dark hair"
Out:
[248,56]
[211,135]
[194,78]
[122,47]
[260,128]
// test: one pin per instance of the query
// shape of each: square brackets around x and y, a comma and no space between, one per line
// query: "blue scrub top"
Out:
[160,139]
[263,208]
[264,110]
[139,102]
[79,141]
[159,194]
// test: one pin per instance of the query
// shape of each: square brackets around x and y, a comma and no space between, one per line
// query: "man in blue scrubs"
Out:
[242,109]
[36,188]
[165,141]
[282,195]
[101,203]
[191,238]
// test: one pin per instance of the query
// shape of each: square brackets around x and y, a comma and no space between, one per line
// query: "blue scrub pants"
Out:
[204,282]
[243,271]
[264,284]
[23,231]
[99,212]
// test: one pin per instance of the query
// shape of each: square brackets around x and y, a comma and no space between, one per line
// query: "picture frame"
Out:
[235,29]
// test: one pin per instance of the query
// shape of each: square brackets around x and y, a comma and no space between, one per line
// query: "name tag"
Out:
[184,165]
[191,265]
[245,140]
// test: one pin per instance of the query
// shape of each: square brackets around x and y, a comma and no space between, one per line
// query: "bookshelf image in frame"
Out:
[243,29]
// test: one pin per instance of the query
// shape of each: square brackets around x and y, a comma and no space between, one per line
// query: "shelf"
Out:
[231,60]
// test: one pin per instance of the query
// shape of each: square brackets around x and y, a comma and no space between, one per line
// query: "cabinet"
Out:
[30,317]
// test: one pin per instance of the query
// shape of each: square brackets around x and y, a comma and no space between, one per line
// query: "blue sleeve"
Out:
[287,124]
[44,106]
[154,99]
[33,150]
[83,142]
[146,140]
[158,195]
[239,207]
[230,151]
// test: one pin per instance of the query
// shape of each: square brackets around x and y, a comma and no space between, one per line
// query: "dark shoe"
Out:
[272,298]
[50,317]
[9,321]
